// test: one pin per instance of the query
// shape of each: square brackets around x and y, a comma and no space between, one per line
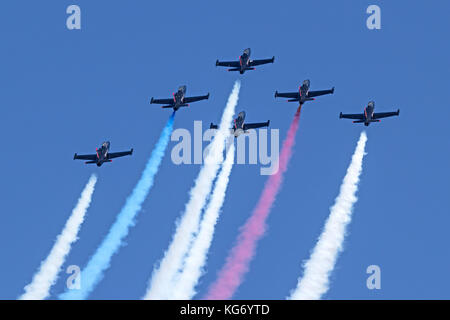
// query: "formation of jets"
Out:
[244,63]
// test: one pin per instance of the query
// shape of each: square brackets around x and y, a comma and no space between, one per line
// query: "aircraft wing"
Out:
[161,101]
[319,92]
[256,125]
[193,99]
[286,94]
[113,155]
[380,115]
[234,64]
[262,61]
[359,116]
[85,157]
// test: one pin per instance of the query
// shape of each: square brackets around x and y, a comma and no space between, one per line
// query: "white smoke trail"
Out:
[188,278]
[315,281]
[47,275]
[163,276]
[100,261]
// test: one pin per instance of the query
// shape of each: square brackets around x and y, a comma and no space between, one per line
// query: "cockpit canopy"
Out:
[105,144]
[241,115]
[182,89]
[306,83]
[371,104]
[247,51]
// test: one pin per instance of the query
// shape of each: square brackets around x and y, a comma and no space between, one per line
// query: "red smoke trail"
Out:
[238,260]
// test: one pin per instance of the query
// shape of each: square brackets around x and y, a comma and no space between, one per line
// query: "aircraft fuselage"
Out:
[244,61]
[239,124]
[178,98]
[368,113]
[102,153]
[303,92]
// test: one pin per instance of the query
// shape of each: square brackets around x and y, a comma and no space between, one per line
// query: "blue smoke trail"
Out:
[100,261]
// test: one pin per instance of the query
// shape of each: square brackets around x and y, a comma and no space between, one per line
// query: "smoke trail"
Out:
[163,276]
[318,268]
[39,288]
[238,260]
[100,261]
[196,258]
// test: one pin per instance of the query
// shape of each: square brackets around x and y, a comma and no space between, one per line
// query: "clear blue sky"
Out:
[65,91]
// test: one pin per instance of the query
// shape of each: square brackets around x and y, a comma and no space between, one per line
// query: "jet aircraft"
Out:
[179,99]
[240,126]
[244,63]
[303,94]
[102,155]
[369,115]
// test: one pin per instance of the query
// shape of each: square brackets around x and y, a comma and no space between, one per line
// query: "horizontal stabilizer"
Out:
[87,162]
[234,69]
[213,126]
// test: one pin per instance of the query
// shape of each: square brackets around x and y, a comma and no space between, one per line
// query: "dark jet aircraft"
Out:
[303,94]
[179,99]
[244,63]
[102,155]
[369,115]
[240,126]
